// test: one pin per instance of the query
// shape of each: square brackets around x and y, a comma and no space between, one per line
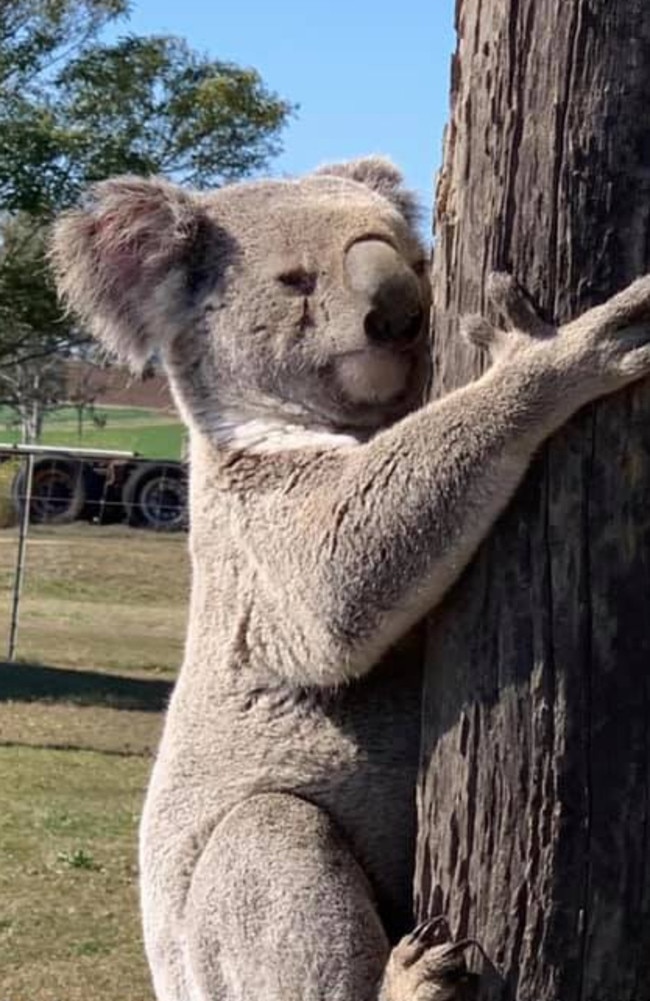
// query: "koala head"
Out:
[303,302]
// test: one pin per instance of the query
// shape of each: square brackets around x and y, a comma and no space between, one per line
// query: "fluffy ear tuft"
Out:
[382,176]
[119,261]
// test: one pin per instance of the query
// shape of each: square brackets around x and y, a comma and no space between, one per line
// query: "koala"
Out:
[331,508]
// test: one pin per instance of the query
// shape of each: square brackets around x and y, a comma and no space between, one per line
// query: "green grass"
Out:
[68,415]
[72,776]
[8,515]
[151,433]
[104,597]
[70,926]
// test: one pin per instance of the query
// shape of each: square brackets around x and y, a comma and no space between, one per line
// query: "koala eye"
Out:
[420,267]
[299,280]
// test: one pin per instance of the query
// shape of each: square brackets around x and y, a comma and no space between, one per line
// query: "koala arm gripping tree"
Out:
[376,533]
[375,518]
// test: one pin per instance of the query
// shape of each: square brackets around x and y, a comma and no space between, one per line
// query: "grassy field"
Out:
[76,745]
[151,433]
[103,597]
[69,924]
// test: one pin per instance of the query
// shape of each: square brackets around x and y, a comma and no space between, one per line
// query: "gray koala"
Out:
[330,509]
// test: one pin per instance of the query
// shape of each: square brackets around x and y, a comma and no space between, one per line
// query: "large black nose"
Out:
[393,326]
[389,292]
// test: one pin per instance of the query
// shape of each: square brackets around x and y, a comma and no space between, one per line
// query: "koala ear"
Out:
[382,176]
[121,261]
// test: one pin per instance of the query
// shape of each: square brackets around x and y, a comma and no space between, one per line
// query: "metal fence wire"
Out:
[93,564]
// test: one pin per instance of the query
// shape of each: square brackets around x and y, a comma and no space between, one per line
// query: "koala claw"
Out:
[512,301]
[428,965]
[433,931]
[522,322]
[478,331]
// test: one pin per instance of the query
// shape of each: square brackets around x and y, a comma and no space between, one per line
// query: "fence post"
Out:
[31,452]
[20,557]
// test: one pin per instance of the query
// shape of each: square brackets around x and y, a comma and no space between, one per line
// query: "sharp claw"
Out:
[440,931]
[430,930]
[513,302]
[478,331]
[417,931]
[467,943]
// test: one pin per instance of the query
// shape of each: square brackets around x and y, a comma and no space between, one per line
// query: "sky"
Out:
[369,76]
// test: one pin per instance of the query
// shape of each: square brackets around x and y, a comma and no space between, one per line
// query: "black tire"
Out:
[58,491]
[155,497]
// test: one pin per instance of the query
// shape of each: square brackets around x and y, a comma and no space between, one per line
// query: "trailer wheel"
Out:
[155,496]
[58,491]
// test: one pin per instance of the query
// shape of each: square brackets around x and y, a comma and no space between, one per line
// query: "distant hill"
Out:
[117,387]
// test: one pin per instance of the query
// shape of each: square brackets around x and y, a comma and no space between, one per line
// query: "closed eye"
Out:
[298,280]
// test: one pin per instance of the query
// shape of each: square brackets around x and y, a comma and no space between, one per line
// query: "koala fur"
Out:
[330,509]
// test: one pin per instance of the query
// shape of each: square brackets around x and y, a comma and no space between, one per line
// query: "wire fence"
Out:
[93,560]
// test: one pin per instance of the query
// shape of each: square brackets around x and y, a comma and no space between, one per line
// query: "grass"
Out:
[70,926]
[8,516]
[103,597]
[151,433]
[73,766]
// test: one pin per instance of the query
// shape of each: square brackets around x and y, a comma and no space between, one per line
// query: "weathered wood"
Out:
[535,791]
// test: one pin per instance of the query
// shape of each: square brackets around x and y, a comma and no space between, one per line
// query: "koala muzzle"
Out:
[389,291]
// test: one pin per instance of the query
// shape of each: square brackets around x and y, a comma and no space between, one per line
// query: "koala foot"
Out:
[428,965]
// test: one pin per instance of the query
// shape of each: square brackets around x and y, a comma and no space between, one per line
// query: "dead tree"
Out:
[535,789]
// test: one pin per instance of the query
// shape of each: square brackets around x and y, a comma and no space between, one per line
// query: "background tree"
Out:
[84,387]
[74,109]
[31,389]
[534,797]
[31,324]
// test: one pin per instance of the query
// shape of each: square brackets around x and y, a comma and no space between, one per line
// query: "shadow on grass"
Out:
[73,746]
[34,683]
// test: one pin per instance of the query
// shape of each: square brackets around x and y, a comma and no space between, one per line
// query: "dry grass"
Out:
[105,597]
[65,727]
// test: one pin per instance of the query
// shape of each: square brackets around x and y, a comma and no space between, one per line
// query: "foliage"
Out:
[140,105]
[32,389]
[75,108]
[152,105]
[31,324]
[32,331]
[36,34]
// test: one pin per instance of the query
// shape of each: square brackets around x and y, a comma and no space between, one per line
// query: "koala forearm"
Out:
[382,534]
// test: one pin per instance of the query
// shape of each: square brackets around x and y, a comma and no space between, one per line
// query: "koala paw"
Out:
[617,334]
[522,324]
[428,966]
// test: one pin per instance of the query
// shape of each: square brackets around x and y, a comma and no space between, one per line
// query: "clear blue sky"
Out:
[370,76]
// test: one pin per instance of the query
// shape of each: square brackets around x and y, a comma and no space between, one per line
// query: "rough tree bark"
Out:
[535,791]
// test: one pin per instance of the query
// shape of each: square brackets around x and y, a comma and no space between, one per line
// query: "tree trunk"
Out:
[534,796]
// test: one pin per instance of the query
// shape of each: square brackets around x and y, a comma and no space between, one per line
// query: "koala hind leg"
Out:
[279,910]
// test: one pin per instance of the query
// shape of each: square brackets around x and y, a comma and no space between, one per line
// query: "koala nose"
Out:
[394,311]
[392,327]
